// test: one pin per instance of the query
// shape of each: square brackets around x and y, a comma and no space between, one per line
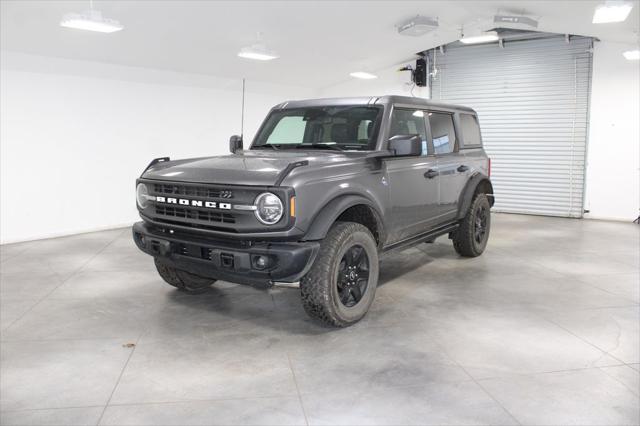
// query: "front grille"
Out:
[189,190]
[180,207]
[188,213]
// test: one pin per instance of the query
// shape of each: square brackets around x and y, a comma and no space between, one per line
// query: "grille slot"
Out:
[193,250]
[188,213]
[206,253]
[194,191]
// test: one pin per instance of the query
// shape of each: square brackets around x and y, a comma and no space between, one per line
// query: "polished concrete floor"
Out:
[540,330]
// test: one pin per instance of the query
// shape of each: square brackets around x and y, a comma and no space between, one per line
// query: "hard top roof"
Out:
[370,100]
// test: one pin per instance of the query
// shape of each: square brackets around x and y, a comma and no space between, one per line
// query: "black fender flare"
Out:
[466,196]
[327,216]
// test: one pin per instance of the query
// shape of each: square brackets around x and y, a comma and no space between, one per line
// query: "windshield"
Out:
[327,127]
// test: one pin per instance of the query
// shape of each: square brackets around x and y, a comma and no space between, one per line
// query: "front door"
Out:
[413,181]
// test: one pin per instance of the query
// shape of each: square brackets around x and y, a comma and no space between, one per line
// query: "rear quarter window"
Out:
[470,131]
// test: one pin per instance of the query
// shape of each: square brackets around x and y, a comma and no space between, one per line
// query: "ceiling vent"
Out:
[417,26]
[514,21]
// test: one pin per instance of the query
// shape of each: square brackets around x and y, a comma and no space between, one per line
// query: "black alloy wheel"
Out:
[353,276]
[340,287]
[480,226]
[471,237]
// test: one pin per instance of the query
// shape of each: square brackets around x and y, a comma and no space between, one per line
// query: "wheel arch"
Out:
[477,184]
[350,207]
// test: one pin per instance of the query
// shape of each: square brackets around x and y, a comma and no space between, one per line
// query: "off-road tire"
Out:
[464,239]
[183,280]
[318,287]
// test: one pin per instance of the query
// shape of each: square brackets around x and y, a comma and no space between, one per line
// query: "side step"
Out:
[285,285]
[420,238]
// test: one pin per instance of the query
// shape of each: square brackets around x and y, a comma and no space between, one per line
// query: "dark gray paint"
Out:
[406,201]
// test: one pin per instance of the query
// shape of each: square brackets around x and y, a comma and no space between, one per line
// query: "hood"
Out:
[258,167]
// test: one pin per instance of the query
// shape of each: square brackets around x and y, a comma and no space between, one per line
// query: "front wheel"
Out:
[341,285]
[183,280]
[470,239]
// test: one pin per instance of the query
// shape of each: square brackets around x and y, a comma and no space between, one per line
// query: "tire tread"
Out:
[182,280]
[316,297]
[463,242]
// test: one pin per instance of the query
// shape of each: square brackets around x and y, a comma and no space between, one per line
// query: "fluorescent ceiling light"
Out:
[612,11]
[632,55]
[91,20]
[257,51]
[363,75]
[482,38]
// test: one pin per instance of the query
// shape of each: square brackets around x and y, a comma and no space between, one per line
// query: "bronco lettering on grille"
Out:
[193,203]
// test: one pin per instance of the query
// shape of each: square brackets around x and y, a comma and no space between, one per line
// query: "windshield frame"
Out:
[371,146]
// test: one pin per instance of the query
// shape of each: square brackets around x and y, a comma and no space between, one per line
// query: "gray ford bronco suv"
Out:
[326,187]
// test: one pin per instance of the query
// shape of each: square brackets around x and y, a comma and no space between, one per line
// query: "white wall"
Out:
[613,169]
[75,135]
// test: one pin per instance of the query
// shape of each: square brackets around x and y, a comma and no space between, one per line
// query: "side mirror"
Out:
[235,143]
[405,145]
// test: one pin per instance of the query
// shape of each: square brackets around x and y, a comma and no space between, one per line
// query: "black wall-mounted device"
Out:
[420,73]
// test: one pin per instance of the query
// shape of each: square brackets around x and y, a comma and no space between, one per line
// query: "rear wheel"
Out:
[183,280]
[470,239]
[341,285]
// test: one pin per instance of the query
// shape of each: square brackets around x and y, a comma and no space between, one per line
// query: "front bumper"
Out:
[233,261]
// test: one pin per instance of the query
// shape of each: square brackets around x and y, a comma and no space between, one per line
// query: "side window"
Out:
[442,132]
[409,122]
[288,130]
[470,130]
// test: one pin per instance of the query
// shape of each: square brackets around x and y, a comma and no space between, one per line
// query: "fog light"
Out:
[260,262]
[140,239]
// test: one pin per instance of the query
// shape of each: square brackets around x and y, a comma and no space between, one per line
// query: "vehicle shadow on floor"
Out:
[245,308]
[397,264]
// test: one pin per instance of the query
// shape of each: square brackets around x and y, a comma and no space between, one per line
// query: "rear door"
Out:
[453,172]
[413,183]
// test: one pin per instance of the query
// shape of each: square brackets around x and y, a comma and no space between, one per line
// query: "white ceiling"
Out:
[319,42]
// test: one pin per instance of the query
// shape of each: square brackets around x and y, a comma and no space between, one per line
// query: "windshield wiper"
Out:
[319,146]
[267,145]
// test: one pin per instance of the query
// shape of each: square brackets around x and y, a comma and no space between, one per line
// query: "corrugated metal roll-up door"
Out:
[532,99]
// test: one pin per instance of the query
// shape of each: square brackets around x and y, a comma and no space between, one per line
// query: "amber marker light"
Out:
[292,207]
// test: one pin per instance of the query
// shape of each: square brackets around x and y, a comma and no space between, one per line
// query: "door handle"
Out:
[430,174]
[462,168]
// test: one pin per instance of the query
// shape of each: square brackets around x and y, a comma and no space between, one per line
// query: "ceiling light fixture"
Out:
[487,37]
[258,51]
[612,11]
[417,26]
[632,55]
[90,20]
[363,75]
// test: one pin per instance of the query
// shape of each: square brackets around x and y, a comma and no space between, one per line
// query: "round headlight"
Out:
[268,208]
[142,194]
